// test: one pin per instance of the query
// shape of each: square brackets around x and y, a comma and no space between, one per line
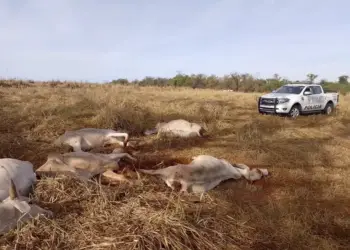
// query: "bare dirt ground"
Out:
[304,204]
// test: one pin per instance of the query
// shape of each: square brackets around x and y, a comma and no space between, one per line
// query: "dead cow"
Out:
[16,208]
[84,165]
[90,138]
[179,127]
[204,173]
[21,172]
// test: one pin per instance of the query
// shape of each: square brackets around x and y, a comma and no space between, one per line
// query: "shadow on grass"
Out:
[304,211]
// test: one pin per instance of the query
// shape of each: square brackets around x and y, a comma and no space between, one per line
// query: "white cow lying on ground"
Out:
[84,165]
[204,173]
[16,208]
[21,172]
[90,138]
[179,127]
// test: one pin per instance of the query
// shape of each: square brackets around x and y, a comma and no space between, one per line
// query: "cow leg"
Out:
[121,155]
[184,187]
[201,197]
[113,166]
[170,183]
[112,177]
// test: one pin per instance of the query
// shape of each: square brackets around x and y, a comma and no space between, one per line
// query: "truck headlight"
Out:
[282,100]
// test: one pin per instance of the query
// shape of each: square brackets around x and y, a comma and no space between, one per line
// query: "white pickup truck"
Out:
[296,99]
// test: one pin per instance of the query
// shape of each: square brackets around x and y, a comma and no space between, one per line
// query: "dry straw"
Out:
[303,205]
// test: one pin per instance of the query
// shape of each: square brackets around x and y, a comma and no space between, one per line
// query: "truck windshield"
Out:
[290,90]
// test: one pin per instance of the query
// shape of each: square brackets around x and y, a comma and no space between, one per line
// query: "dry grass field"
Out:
[304,204]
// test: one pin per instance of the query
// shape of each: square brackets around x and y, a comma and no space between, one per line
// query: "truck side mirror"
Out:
[307,93]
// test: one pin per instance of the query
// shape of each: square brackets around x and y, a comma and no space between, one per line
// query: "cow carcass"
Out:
[84,165]
[89,138]
[22,174]
[179,127]
[204,173]
[16,208]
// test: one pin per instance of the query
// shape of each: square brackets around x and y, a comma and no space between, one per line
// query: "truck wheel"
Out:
[328,109]
[294,111]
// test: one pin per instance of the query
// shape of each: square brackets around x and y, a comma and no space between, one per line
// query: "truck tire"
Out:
[294,111]
[328,109]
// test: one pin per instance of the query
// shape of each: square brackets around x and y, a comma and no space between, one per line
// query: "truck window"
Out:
[316,90]
[289,89]
[309,89]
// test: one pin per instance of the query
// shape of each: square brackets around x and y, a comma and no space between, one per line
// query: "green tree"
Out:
[177,80]
[121,81]
[199,81]
[235,81]
[311,77]
[147,81]
[343,79]
[212,81]
[277,77]
[323,81]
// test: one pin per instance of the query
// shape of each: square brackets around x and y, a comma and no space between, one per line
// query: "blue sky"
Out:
[101,40]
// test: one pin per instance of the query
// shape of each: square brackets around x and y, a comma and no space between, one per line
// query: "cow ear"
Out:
[13,191]
[264,171]
[22,206]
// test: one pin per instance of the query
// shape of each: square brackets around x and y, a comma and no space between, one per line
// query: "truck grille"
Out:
[268,101]
[267,110]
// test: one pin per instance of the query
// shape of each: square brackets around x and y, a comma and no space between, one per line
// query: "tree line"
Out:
[235,82]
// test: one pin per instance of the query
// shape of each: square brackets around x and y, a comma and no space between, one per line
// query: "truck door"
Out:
[307,100]
[317,98]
